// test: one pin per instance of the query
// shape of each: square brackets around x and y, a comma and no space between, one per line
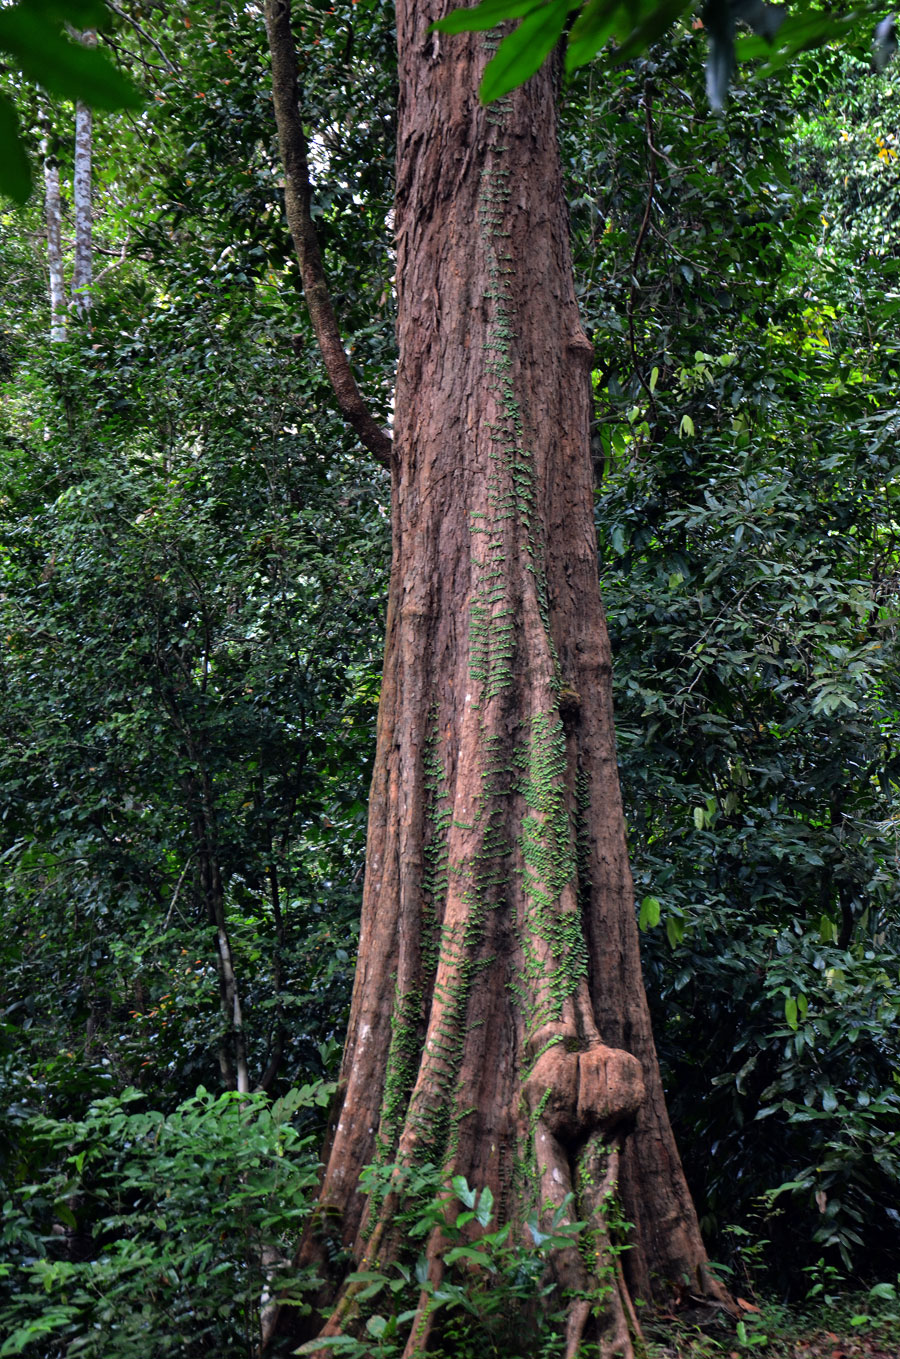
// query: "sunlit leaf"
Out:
[649,914]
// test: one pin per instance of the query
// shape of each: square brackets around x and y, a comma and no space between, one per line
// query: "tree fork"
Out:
[498,1027]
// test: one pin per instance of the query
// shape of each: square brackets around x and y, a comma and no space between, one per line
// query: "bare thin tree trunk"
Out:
[297,201]
[82,275]
[53,220]
[233,1044]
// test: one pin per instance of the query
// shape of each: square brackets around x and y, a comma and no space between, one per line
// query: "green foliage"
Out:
[846,154]
[160,657]
[493,1295]
[193,563]
[746,393]
[158,1234]
[32,35]
[628,30]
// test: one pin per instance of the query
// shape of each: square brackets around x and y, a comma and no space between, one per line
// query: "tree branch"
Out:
[297,195]
[143,34]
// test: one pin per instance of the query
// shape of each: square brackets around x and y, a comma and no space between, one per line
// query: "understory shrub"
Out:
[146,1234]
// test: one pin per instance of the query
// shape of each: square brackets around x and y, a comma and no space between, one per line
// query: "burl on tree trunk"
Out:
[499,1026]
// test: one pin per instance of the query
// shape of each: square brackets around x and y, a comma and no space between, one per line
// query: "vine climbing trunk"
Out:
[498,1025]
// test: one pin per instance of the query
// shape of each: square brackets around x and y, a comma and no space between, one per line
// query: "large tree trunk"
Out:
[499,1026]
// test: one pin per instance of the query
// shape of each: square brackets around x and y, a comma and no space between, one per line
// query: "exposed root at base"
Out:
[576,1182]
[615,1340]
[420,1331]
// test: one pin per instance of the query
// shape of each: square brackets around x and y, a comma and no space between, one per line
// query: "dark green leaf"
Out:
[598,22]
[15,172]
[61,66]
[488,14]
[521,53]
[656,20]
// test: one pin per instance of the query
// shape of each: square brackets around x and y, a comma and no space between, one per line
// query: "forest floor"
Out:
[777,1333]
[817,1344]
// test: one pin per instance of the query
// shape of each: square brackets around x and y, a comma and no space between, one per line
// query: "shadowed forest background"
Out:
[193,569]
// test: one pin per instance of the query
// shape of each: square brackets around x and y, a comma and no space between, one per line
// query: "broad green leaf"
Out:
[650,912]
[674,930]
[598,22]
[658,18]
[790,1011]
[488,14]
[799,32]
[521,53]
[485,1207]
[460,1186]
[65,1215]
[80,14]
[68,69]
[332,1342]
[471,1253]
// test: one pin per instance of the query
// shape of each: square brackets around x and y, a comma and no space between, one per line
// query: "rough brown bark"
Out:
[499,1026]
